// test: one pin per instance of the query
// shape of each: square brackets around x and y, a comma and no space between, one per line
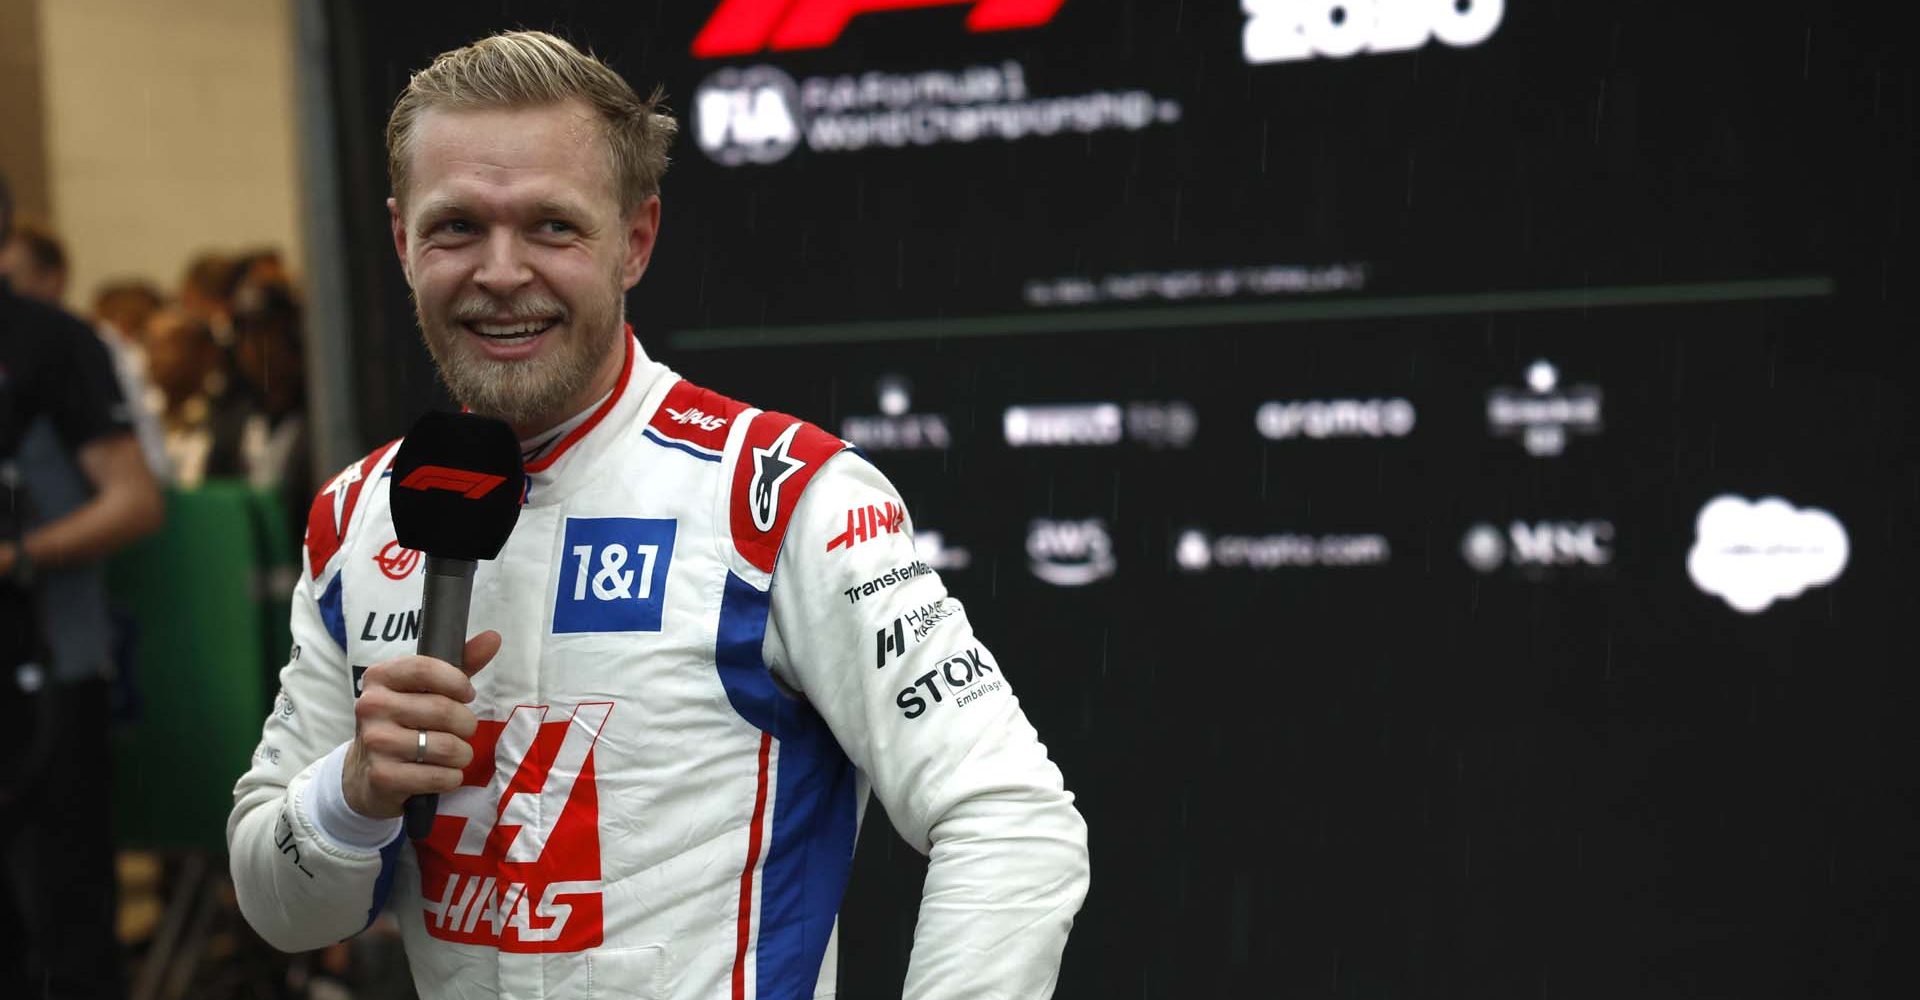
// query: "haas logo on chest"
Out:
[513,861]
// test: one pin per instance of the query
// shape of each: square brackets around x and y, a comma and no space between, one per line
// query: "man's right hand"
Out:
[399,699]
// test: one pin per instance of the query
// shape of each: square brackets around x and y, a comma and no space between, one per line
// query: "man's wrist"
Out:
[335,818]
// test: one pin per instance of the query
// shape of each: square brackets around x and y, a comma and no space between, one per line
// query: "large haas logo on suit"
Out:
[513,860]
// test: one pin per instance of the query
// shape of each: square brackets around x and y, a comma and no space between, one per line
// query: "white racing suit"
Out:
[717,634]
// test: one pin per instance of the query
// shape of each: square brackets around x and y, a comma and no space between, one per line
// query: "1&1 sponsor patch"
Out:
[613,574]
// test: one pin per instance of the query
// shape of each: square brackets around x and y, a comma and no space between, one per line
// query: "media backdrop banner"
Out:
[1439,473]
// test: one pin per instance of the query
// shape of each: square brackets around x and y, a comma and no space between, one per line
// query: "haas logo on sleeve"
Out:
[513,861]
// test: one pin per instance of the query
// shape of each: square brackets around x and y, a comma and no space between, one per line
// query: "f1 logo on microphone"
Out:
[741,27]
[472,485]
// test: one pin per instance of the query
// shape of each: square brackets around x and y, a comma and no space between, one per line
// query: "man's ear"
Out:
[642,229]
[399,227]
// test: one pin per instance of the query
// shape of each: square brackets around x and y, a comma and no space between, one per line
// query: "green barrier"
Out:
[211,613]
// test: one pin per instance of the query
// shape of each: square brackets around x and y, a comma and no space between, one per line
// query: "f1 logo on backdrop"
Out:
[613,574]
[513,860]
[742,27]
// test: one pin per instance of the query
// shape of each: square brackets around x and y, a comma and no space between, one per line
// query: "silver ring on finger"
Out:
[420,747]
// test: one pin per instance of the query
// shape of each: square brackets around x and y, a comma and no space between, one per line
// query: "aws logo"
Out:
[743,27]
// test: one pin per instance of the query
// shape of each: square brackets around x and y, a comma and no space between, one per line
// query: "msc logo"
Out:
[613,574]
[1538,546]
[1290,30]
[513,860]
[741,27]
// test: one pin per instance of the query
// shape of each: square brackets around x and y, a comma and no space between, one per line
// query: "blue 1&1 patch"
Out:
[613,574]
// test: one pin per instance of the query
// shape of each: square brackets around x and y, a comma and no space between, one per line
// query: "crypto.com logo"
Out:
[742,27]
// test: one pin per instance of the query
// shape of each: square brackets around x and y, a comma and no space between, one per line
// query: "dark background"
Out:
[1399,781]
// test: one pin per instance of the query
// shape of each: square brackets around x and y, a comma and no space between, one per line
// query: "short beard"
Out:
[525,393]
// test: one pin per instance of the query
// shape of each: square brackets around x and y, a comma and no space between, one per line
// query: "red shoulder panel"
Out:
[694,416]
[780,457]
[333,509]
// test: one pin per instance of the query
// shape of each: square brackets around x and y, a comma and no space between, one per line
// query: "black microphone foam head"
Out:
[457,483]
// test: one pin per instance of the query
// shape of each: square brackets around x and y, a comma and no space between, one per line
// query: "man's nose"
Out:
[504,266]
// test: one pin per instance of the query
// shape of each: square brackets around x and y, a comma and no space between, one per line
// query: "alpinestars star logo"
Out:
[513,861]
[771,467]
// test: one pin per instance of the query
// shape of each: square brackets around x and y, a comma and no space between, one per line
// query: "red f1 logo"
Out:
[472,485]
[740,27]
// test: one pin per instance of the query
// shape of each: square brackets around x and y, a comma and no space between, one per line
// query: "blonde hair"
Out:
[529,68]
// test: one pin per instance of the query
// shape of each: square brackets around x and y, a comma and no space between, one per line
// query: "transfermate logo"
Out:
[867,523]
[1544,413]
[1539,545]
[1320,420]
[1070,553]
[513,860]
[1293,30]
[1753,553]
[396,560]
[613,575]
[741,27]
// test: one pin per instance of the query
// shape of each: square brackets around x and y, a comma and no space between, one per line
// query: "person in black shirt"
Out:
[56,848]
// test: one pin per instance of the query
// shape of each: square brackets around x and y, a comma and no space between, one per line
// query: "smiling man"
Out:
[652,772]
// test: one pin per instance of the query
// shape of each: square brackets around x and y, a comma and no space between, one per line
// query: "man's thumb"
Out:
[480,651]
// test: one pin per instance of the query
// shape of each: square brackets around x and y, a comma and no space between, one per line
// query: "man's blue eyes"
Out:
[461,227]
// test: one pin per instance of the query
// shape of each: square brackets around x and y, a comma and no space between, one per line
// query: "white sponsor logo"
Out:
[1070,424]
[760,115]
[1292,30]
[1070,553]
[1099,425]
[1752,554]
[895,428]
[1196,552]
[697,417]
[1334,418]
[1539,545]
[1545,413]
[747,115]
[932,548]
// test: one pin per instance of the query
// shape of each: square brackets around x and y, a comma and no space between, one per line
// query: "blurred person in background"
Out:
[201,422]
[36,262]
[123,308]
[684,817]
[89,497]
[206,293]
[270,361]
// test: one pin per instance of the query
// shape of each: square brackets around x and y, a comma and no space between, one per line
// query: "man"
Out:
[35,262]
[707,634]
[201,426]
[57,843]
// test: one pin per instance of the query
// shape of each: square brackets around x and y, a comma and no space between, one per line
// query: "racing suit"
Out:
[717,637]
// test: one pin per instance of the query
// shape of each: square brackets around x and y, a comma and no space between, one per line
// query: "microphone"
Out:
[457,484]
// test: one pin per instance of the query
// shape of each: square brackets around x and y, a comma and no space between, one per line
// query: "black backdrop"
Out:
[1466,766]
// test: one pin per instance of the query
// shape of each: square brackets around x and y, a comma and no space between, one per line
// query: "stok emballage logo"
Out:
[741,27]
